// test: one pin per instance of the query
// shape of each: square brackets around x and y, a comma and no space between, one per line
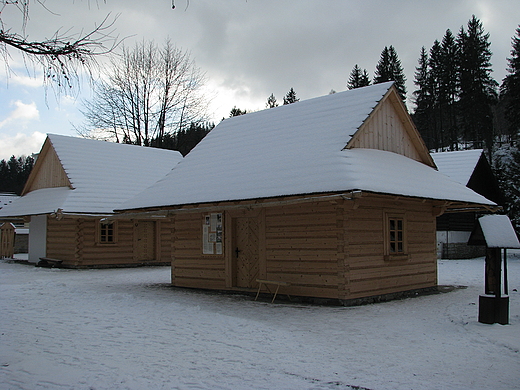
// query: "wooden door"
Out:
[245,252]
[7,240]
[145,241]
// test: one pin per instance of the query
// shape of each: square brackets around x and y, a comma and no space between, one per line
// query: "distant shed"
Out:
[471,168]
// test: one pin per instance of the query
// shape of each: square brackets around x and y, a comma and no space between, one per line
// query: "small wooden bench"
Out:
[48,262]
[267,283]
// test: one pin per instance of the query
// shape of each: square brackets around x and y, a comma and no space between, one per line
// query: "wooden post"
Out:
[506,287]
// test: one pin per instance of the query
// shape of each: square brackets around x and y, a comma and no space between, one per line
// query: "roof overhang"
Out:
[440,206]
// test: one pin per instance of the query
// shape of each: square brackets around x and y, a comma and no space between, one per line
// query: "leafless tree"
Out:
[64,54]
[147,92]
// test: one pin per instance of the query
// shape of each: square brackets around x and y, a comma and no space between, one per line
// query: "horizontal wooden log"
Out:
[210,263]
[308,267]
[311,291]
[391,270]
[384,286]
[304,279]
[211,284]
[205,273]
[302,243]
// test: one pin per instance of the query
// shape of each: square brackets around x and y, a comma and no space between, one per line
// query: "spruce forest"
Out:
[457,103]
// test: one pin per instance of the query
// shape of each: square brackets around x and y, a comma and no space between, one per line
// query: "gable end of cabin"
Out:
[48,171]
[389,127]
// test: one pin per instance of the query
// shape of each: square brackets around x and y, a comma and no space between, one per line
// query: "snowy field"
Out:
[127,329]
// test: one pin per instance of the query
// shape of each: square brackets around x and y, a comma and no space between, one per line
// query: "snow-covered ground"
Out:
[128,329]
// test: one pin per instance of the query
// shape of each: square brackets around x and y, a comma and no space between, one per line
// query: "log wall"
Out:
[329,249]
[369,273]
[302,248]
[190,268]
[73,240]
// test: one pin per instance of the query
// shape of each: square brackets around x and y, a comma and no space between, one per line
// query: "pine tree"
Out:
[14,173]
[358,78]
[389,69]
[448,92]
[424,101]
[236,112]
[271,102]
[184,140]
[443,75]
[477,87]
[290,97]
[434,81]
[510,89]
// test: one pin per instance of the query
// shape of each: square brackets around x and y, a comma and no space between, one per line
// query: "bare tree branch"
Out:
[61,56]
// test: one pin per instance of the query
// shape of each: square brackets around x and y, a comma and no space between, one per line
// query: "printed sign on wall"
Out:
[212,234]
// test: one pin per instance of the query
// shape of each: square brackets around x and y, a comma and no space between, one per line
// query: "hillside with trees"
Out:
[14,174]
[458,104]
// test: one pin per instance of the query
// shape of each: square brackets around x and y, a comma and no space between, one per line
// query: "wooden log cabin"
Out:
[334,197]
[74,186]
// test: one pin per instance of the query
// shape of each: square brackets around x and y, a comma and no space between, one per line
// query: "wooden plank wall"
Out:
[61,240]
[323,249]
[302,248]
[73,240]
[385,131]
[190,268]
[369,273]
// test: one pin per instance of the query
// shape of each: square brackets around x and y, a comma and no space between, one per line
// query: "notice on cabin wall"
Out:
[212,234]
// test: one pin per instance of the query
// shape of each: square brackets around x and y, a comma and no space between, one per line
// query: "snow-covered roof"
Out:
[458,165]
[102,174]
[297,149]
[7,198]
[499,232]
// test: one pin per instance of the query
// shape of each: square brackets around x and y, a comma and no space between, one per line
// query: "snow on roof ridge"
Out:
[294,150]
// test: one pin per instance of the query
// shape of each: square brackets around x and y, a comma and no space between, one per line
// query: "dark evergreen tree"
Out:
[434,81]
[184,140]
[443,76]
[389,69]
[477,88]
[290,97]
[506,165]
[358,78]
[236,112]
[510,90]
[423,100]
[448,92]
[271,102]
[14,174]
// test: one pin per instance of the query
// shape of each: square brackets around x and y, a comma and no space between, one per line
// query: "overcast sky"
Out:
[248,49]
